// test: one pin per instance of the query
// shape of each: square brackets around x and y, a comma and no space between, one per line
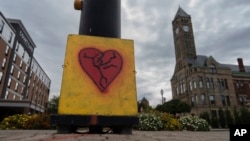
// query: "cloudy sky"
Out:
[221,29]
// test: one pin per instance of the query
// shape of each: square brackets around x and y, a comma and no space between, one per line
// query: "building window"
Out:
[203,99]
[26,68]
[241,85]
[228,100]
[237,84]
[182,86]
[12,69]
[1,76]
[10,37]
[21,63]
[23,54]
[177,90]
[9,82]
[223,101]
[22,90]
[192,101]
[16,86]
[196,100]
[220,84]
[6,95]
[200,82]
[4,62]
[211,83]
[14,58]
[1,26]
[190,85]
[208,83]
[7,49]
[17,46]
[194,84]
[18,75]
[212,68]
[24,78]
[212,99]
[242,100]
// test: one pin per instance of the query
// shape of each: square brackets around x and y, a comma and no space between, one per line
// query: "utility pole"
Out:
[162,99]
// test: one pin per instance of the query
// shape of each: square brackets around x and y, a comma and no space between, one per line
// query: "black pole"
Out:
[101,18]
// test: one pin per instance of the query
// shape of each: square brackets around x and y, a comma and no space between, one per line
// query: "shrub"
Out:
[14,122]
[150,122]
[40,121]
[23,121]
[194,123]
[170,123]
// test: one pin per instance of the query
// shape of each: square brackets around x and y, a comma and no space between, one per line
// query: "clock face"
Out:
[185,28]
[177,30]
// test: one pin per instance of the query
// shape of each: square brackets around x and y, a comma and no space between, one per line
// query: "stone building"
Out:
[202,81]
[24,85]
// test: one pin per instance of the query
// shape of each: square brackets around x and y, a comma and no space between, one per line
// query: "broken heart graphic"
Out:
[101,67]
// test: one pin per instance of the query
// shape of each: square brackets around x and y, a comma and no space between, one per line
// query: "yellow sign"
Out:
[98,77]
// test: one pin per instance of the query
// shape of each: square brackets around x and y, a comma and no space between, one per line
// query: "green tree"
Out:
[221,118]
[205,116]
[229,118]
[237,119]
[53,105]
[174,106]
[143,105]
[214,122]
[245,115]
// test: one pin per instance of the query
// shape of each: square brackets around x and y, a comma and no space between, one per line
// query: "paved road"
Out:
[50,135]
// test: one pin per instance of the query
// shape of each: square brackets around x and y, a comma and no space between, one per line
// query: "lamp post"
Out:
[162,100]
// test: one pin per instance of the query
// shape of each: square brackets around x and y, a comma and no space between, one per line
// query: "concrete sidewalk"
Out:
[50,135]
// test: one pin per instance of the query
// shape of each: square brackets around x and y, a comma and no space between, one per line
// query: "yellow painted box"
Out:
[98,77]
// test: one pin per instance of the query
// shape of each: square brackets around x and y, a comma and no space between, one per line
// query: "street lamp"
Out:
[162,100]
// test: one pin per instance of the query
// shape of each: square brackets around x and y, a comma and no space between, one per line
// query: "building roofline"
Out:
[33,58]
[180,12]
[19,22]
[7,21]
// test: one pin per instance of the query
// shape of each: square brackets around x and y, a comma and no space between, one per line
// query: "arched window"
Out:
[212,68]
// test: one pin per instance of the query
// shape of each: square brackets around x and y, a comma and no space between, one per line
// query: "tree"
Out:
[205,116]
[229,118]
[53,105]
[214,122]
[237,119]
[143,105]
[244,115]
[174,106]
[221,118]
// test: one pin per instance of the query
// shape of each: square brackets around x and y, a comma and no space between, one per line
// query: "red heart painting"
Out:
[101,67]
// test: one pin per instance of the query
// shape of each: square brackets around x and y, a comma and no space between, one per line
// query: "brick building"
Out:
[24,85]
[202,81]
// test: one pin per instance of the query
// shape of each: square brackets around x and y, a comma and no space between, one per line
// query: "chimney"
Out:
[241,65]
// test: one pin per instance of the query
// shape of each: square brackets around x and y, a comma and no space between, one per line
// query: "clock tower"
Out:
[183,38]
